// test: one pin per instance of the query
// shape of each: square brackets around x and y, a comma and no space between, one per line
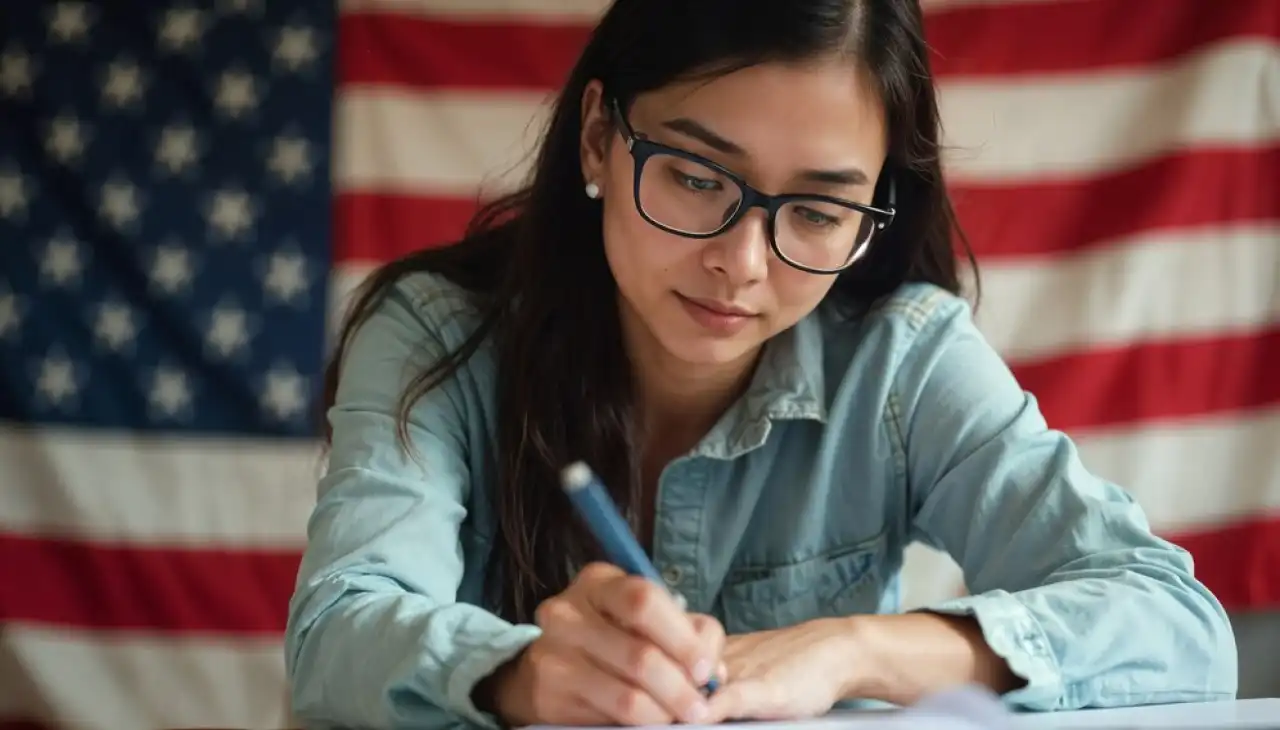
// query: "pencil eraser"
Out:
[575,476]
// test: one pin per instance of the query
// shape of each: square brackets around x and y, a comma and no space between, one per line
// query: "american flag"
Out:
[179,226]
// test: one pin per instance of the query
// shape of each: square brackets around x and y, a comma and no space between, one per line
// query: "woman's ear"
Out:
[597,130]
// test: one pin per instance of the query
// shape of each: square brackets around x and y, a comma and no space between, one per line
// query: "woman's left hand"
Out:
[796,672]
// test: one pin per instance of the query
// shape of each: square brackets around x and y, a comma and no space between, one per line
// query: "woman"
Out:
[730,288]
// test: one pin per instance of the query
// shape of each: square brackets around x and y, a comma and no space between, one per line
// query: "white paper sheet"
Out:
[966,709]
[972,709]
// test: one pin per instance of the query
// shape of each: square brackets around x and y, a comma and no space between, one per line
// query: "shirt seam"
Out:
[919,315]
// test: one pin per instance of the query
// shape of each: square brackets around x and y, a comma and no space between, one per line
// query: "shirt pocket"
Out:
[840,582]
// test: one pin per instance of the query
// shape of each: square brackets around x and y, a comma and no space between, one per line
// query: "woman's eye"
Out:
[698,184]
[813,217]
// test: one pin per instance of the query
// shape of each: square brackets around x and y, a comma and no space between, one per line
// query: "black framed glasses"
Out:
[688,195]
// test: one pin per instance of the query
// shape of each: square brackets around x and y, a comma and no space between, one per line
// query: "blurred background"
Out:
[188,189]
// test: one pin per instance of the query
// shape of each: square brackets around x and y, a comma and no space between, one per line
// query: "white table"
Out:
[1237,715]
[1234,715]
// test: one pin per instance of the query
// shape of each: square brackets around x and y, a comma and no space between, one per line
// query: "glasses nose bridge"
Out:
[752,198]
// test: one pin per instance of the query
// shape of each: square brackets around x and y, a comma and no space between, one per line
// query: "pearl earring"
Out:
[593,190]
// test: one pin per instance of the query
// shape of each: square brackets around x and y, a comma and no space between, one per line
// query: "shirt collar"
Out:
[788,384]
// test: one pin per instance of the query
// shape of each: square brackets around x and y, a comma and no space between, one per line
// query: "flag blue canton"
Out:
[165,214]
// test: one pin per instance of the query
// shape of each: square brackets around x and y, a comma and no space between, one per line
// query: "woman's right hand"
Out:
[615,650]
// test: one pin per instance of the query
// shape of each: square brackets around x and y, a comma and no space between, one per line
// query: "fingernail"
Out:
[702,671]
[696,713]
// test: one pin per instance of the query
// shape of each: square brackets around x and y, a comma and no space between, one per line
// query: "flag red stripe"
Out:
[72,582]
[1068,37]
[435,52]
[1155,381]
[1193,188]
[379,227]
[1196,187]
[207,591]
[1240,562]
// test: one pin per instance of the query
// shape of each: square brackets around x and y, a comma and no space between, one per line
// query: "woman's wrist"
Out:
[901,658]
[860,675]
[841,654]
[492,694]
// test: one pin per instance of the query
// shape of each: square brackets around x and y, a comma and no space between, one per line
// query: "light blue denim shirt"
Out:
[854,439]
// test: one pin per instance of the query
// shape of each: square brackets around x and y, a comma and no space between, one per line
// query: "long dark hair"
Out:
[564,389]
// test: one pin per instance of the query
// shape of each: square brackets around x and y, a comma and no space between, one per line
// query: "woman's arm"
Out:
[902,658]
[1084,605]
[376,637]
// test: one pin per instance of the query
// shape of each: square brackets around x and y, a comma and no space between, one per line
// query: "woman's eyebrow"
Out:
[699,132]
[695,130]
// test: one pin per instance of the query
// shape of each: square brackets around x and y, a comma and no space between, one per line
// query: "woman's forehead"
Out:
[812,116]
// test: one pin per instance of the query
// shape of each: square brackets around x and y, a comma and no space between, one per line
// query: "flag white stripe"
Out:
[1032,127]
[468,140]
[244,492]
[929,576]
[346,277]
[161,493]
[96,681]
[1029,128]
[1227,281]
[1194,475]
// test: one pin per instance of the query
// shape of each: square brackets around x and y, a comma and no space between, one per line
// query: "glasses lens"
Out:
[686,196]
[820,235]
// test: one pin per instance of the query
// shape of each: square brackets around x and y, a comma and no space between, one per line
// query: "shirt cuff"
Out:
[1015,635]
[480,664]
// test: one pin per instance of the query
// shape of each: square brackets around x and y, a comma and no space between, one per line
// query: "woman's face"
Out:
[815,128]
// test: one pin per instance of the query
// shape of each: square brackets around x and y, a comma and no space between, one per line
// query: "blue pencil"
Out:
[590,498]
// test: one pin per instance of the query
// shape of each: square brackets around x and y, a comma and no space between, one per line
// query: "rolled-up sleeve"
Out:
[1066,579]
[376,637]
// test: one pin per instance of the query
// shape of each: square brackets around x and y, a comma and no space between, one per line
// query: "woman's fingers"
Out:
[712,637]
[647,610]
[617,653]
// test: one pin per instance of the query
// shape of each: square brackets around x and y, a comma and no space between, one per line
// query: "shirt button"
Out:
[672,575]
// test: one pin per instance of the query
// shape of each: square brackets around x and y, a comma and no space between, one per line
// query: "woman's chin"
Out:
[712,352]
